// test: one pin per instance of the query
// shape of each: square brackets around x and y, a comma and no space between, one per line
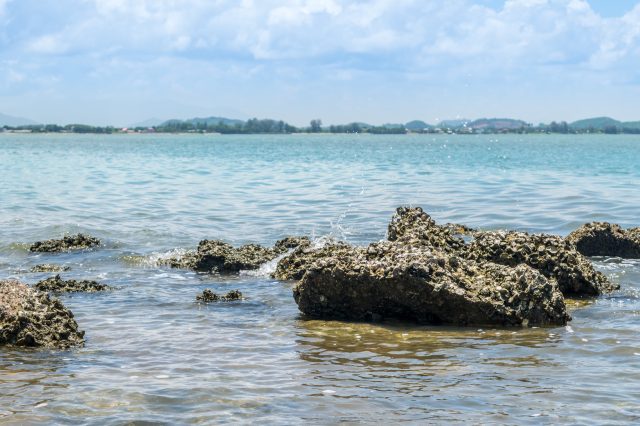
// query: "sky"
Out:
[118,62]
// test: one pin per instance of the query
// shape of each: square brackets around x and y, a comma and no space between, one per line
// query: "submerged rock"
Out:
[209,296]
[215,256]
[58,285]
[67,243]
[390,280]
[49,267]
[411,225]
[606,239]
[551,255]
[31,318]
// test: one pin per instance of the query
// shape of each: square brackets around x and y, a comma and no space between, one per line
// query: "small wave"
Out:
[154,259]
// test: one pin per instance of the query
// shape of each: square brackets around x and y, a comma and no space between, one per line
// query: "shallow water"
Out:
[153,354]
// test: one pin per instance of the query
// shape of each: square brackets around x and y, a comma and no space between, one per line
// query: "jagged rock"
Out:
[49,267]
[606,239]
[411,225]
[390,280]
[284,245]
[209,296]
[31,318]
[217,256]
[551,255]
[293,266]
[58,285]
[67,243]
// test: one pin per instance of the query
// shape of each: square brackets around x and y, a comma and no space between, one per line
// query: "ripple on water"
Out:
[153,354]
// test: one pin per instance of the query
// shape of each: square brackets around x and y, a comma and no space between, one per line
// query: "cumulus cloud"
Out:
[336,40]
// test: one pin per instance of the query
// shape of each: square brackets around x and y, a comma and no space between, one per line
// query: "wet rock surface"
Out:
[426,272]
[49,267]
[58,285]
[554,257]
[215,256]
[412,226]
[209,296]
[32,319]
[389,280]
[606,239]
[67,243]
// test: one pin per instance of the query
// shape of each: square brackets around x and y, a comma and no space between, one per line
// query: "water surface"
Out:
[153,354]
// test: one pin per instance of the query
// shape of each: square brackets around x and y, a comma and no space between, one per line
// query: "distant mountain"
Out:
[453,124]
[151,122]
[496,123]
[416,125]
[7,120]
[393,126]
[209,121]
[598,123]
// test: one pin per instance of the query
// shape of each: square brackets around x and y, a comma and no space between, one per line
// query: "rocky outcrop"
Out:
[48,267]
[293,266]
[551,255]
[606,239]
[31,318]
[58,285]
[67,243]
[209,296]
[214,256]
[412,226]
[390,280]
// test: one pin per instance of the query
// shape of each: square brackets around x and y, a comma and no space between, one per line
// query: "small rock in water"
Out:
[49,267]
[209,296]
[67,243]
[606,239]
[31,318]
[58,285]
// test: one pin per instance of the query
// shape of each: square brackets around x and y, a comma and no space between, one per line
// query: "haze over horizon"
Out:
[116,62]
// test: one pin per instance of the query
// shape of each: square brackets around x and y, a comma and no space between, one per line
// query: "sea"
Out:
[153,355]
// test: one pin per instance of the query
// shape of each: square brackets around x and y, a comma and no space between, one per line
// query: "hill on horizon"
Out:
[8,120]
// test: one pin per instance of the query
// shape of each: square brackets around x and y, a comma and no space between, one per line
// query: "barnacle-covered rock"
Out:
[58,285]
[67,243]
[606,239]
[49,267]
[554,257]
[411,225]
[390,280]
[209,296]
[215,256]
[31,318]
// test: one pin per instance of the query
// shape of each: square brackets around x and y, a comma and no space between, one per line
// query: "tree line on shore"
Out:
[269,126]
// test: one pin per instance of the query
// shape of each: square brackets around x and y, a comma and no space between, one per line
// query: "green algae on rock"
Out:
[389,280]
[209,296]
[31,318]
[58,285]
[49,267]
[67,243]
[606,239]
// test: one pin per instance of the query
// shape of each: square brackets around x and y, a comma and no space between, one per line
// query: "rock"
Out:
[215,256]
[554,257]
[48,267]
[411,225]
[390,280]
[606,239]
[31,318]
[293,266]
[67,243]
[284,245]
[209,296]
[58,285]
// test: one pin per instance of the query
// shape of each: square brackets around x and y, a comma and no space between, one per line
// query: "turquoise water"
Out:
[152,354]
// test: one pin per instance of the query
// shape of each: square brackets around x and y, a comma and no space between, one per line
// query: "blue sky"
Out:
[122,61]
